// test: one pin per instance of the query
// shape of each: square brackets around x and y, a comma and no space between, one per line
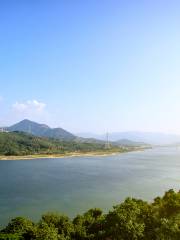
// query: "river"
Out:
[75,184]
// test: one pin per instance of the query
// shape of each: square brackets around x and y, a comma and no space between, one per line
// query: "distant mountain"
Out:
[122,138]
[89,140]
[147,137]
[91,135]
[41,130]
[120,143]
[129,143]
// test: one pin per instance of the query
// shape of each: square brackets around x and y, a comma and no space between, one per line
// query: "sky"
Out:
[91,66]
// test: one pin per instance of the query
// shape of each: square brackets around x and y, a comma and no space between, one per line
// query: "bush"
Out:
[131,220]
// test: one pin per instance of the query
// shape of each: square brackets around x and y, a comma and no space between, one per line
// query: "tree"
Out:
[169,204]
[89,225]
[45,232]
[124,222]
[131,220]
[18,225]
[61,222]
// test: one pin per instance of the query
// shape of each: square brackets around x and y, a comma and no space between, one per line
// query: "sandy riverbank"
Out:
[71,154]
[44,156]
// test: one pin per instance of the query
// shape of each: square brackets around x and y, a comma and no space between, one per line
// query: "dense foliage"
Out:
[19,143]
[131,220]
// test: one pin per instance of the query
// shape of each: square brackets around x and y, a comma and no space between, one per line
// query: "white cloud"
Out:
[30,106]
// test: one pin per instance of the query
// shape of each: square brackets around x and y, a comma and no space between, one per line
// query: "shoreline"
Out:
[50,156]
[66,155]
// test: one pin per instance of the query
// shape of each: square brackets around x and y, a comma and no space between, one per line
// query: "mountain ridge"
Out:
[41,130]
[155,138]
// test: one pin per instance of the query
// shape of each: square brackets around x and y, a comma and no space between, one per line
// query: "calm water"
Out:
[72,185]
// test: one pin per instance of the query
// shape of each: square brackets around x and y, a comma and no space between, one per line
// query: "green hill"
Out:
[41,130]
[19,143]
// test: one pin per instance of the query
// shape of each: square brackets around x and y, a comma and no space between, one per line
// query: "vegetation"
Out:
[131,220]
[19,143]
[40,130]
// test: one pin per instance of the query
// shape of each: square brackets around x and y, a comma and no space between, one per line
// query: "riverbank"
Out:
[71,154]
[44,156]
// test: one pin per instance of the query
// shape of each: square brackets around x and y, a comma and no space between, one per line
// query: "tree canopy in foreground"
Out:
[132,219]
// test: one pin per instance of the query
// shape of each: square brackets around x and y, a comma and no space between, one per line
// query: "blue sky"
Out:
[89,66]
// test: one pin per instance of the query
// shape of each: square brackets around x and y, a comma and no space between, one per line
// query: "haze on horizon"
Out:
[91,66]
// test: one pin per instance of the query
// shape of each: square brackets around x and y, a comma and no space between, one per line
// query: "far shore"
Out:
[39,156]
[43,156]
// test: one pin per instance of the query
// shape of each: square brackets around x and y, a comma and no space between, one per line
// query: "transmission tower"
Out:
[107,145]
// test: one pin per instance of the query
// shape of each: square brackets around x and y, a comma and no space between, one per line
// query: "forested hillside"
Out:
[18,143]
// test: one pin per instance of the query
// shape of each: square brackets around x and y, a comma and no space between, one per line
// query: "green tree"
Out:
[124,222]
[89,225]
[18,225]
[45,232]
[131,220]
[61,222]
[169,204]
